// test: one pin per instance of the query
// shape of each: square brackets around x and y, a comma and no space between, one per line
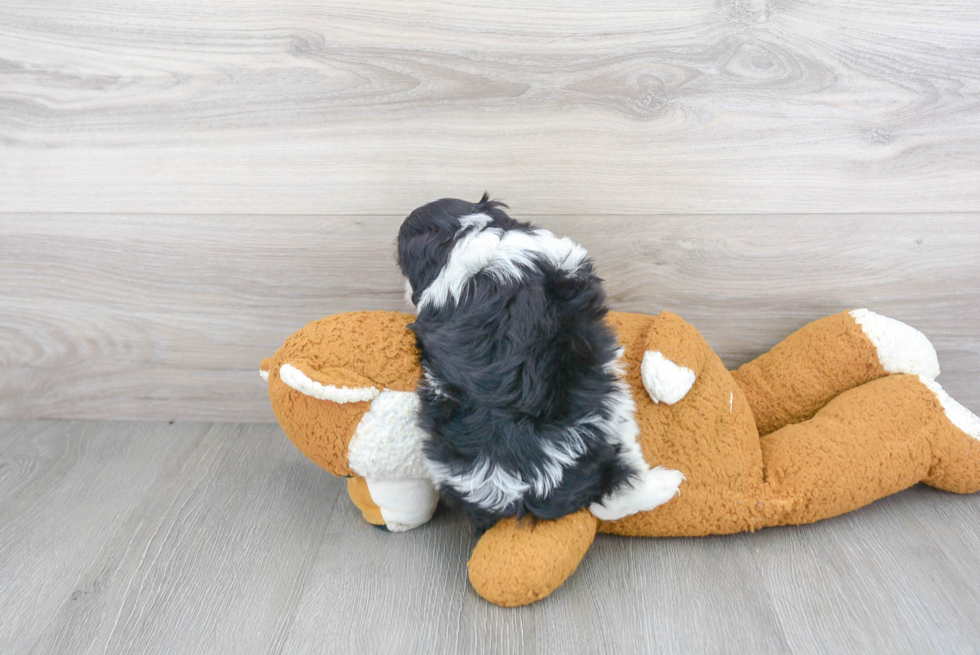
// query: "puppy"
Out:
[521,399]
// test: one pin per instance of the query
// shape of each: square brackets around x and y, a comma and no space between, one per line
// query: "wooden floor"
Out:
[142,537]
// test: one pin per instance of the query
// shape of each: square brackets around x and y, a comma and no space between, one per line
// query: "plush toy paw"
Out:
[964,420]
[518,562]
[955,445]
[901,348]
[399,505]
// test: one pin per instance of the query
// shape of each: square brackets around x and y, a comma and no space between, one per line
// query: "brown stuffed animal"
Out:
[843,412]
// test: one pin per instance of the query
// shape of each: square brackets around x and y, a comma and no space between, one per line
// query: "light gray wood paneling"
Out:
[371,107]
[146,316]
[155,538]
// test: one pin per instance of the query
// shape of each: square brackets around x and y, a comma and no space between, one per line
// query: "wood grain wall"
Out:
[184,183]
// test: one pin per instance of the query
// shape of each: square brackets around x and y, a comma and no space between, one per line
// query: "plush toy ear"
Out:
[339,385]
[264,367]
[674,356]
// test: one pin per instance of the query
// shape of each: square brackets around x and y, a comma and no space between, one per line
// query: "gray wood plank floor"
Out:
[129,537]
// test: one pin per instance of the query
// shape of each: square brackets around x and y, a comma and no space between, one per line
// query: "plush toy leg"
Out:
[955,446]
[517,563]
[399,505]
[871,441]
[357,489]
[818,362]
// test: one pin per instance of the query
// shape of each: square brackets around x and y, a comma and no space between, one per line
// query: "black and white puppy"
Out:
[521,399]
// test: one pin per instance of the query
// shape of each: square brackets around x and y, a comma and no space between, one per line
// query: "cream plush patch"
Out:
[665,381]
[404,504]
[901,348]
[387,443]
[293,377]
[957,414]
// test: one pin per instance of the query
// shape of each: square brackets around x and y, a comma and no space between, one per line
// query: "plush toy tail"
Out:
[825,358]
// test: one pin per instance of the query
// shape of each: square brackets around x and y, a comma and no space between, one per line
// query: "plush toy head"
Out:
[343,389]
[325,377]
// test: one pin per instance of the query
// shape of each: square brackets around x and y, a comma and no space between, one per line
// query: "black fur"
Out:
[516,364]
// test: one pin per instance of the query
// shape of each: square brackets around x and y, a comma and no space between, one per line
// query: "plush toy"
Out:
[841,413]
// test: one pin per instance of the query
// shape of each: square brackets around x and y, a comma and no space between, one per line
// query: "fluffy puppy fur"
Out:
[521,396]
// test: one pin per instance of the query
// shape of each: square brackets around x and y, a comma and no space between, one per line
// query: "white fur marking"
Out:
[479,221]
[501,254]
[957,414]
[559,457]
[655,487]
[665,381]
[485,484]
[387,443]
[294,378]
[623,427]
[470,255]
[901,348]
[731,402]
[434,385]
[408,295]
[494,488]
[264,375]
[404,504]
[616,366]
[619,428]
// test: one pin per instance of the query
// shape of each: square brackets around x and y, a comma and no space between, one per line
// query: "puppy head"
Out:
[427,236]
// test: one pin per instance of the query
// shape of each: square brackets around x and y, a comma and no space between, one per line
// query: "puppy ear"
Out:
[339,385]
[485,204]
